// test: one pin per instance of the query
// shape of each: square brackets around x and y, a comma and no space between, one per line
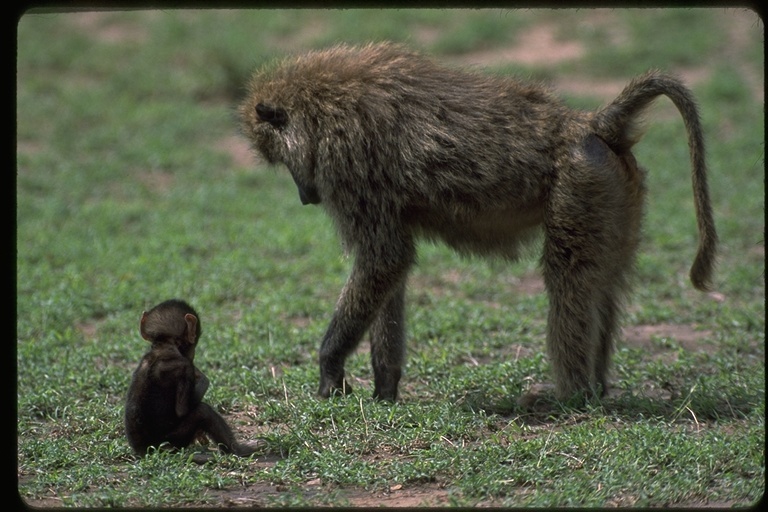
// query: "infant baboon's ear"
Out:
[275,116]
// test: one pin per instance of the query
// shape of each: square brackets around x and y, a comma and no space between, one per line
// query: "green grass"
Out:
[129,192]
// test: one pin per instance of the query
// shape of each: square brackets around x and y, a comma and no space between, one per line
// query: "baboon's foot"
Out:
[385,385]
[248,448]
[546,397]
[202,458]
[385,395]
[540,398]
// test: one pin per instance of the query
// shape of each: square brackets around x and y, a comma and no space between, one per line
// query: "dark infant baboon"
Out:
[396,147]
[164,402]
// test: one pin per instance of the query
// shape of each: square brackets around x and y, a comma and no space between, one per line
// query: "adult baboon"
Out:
[164,402]
[396,147]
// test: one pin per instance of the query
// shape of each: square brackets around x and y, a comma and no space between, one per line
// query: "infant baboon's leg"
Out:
[204,418]
[388,346]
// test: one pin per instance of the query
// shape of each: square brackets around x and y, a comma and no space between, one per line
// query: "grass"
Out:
[131,189]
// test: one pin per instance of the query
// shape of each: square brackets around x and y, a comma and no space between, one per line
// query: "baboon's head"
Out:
[175,322]
[275,121]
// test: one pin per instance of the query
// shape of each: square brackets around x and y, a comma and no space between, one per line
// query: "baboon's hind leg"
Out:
[572,327]
[388,346]
[609,313]
[592,230]
[627,239]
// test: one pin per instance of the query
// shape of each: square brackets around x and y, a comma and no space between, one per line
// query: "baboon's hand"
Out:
[332,386]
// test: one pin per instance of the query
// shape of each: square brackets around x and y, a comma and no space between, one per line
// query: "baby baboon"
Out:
[396,147]
[164,401]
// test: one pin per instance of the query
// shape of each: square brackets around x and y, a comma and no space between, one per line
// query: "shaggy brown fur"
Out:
[164,401]
[396,147]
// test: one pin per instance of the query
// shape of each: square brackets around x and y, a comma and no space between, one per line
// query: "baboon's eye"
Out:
[275,116]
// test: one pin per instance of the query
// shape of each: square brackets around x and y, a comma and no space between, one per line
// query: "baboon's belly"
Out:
[500,232]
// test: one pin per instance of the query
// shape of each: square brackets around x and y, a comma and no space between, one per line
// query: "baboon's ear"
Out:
[142,327]
[191,321]
[275,116]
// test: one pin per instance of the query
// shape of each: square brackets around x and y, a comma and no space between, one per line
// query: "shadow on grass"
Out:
[627,405]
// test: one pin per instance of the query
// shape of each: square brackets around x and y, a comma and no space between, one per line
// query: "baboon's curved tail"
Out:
[616,124]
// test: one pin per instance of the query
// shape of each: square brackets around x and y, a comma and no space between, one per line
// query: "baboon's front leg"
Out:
[388,346]
[341,338]
[376,282]
[201,386]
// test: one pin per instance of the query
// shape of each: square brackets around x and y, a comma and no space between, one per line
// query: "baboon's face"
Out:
[279,137]
[265,125]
